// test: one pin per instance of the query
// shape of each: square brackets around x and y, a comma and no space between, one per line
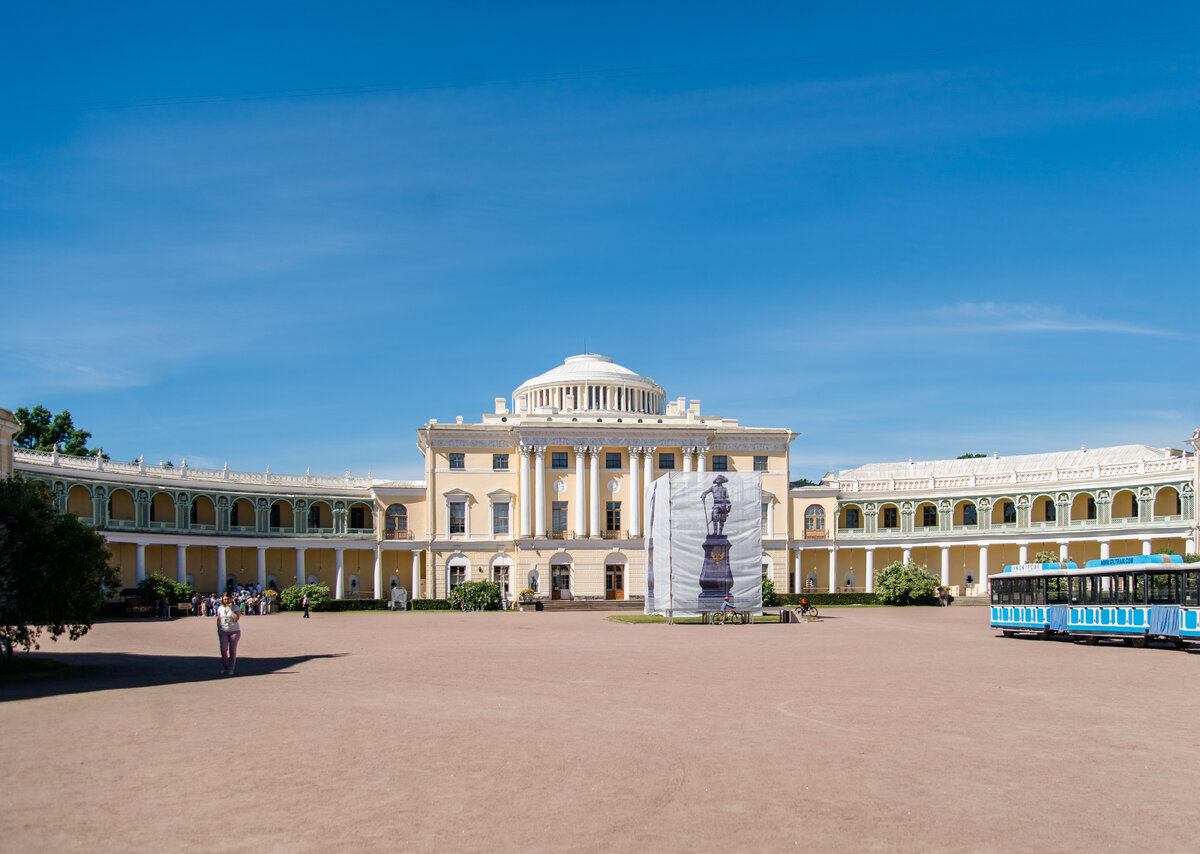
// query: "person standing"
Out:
[229,633]
[304,602]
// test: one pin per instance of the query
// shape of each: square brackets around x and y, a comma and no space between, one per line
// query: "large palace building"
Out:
[545,492]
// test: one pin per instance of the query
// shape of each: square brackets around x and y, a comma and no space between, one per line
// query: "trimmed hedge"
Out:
[352,605]
[818,599]
[431,605]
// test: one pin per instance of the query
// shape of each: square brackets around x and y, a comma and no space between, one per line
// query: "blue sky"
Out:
[786,213]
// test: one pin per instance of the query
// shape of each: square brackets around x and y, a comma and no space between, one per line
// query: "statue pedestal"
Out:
[716,579]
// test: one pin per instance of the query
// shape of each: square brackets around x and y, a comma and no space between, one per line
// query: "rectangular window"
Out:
[760,463]
[233,514]
[890,518]
[558,459]
[612,516]
[720,462]
[853,520]
[666,462]
[1010,512]
[458,575]
[970,516]
[358,517]
[499,462]
[458,517]
[929,516]
[558,516]
[194,514]
[458,461]
[612,460]
[500,517]
[314,517]
[766,508]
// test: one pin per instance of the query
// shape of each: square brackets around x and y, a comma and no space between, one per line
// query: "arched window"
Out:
[814,518]
[396,521]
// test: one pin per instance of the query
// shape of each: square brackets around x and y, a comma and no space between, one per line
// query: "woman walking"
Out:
[229,633]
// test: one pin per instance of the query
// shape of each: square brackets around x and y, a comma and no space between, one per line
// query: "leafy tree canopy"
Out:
[476,596]
[906,584]
[291,597]
[54,570]
[42,431]
[801,482]
[970,456]
[163,586]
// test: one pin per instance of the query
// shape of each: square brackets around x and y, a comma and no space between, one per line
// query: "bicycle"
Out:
[804,609]
[728,615]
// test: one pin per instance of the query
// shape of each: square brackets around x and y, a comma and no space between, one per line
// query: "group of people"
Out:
[246,600]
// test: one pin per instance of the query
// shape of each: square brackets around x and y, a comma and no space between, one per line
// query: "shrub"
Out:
[793,599]
[355,605]
[770,598]
[476,596]
[161,586]
[430,605]
[906,584]
[290,597]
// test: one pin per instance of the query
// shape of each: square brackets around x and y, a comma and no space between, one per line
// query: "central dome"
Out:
[589,382]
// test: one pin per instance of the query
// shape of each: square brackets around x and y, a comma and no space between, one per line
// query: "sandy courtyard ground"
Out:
[873,730]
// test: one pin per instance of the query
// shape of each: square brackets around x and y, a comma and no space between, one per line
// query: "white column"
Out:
[870,588]
[1189,546]
[833,570]
[300,579]
[580,494]
[526,499]
[594,494]
[648,471]
[539,491]
[181,563]
[687,458]
[1023,553]
[635,493]
[1062,552]
[339,582]
[378,572]
[1145,547]
[701,456]
[140,568]
[799,585]
[262,568]
[770,517]
[983,569]
[1104,550]
[945,566]
[221,576]
[907,555]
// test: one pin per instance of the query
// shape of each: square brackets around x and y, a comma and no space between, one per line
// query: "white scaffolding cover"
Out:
[680,518]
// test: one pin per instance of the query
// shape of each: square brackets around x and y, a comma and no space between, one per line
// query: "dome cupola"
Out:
[589,383]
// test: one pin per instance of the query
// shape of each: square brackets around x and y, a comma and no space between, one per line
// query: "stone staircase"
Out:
[636,605]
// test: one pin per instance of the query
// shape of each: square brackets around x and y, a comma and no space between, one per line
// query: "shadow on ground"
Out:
[106,671]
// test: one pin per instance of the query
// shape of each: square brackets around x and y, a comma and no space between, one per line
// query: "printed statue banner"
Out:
[704,543]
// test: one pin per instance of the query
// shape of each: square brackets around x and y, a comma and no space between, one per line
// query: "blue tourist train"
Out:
[1136,599]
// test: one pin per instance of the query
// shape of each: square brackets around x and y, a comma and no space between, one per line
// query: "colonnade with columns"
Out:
[587,503]
[983,567]
[339,585]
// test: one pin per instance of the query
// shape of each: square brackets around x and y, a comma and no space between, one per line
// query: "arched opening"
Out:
[361,519]
[768,566]
[810,582]
[1044,509]
[272,582]
[814,521]
[353,586]
[203,512]
[560,577]
[889,516]
[614,577]
[241,515]
[1083,506]
[162,509]
[965,513]
[283,518]
[395,522]
[1004,512]
[79,502]
[850,517]
[320,518]
[120,506]
[926,515]
[1167,503]
[501,574]
[1125,505]
[458,570]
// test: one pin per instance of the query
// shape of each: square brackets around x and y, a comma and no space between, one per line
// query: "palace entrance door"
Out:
[614,581]
[560,581]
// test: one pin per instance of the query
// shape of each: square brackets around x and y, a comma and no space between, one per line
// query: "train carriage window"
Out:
[1162,590]
[1039,591]
[1056,590]
[1139,589]
[1190,589]
[1076,587]
[1108,590]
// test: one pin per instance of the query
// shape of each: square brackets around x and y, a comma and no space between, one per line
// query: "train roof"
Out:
[1096,567]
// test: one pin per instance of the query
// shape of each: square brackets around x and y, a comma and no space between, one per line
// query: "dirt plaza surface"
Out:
[871,730]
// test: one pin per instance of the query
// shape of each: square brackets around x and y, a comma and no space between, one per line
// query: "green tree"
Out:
[54,570]
[906,584]
[970,456]
[163,586]
[770,598]
[41,431]
[290,597]
[1045,557]
[476,596]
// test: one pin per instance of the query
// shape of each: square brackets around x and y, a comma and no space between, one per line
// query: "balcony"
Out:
[556,535]
[821,533]
[397,535]
[611,535]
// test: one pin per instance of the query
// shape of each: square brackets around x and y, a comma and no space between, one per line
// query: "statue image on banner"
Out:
[716,578]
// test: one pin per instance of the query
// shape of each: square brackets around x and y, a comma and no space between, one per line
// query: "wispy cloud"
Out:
[991,317]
